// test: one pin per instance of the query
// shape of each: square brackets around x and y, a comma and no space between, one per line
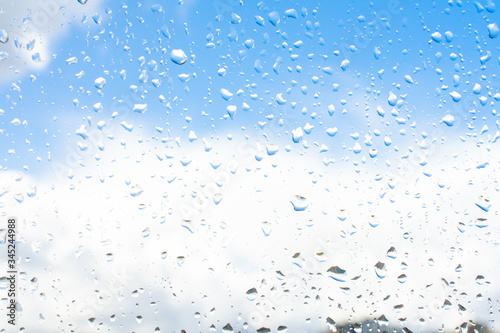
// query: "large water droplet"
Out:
[100,82]
[228,328]
[274,18]
[226,94]
[437,37]
[392,99]
[251,294]
[448,120]
[455,96]
[493,30]
[297,134]
[299,203]
[4,37]
[178,56]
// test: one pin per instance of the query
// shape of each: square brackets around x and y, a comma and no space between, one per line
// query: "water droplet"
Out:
[380,269]
[98,107]
[357,148]
[448,120]
[392,253]
[235,18]
[272,149]
[4,37]
[331,324]
[260,20]
[280,99]
[178,56]
[231,110]
[228,328]
[299,203]
[3,55]
[481,222]
[337,273]
[140,108]
[30,45]
[297,134]
[437,37]
[72,60]
[266,228]
[274,18]
[455,96]
[136,190]
[146,232]
[180,260]
[493,30]
[99,82]
[345,64]
[226,94]
[402,278]
[252,294]
[392,100]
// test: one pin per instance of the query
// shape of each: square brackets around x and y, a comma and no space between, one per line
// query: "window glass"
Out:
[246,166]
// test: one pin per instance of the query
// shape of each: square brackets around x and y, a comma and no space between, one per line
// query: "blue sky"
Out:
[329,33]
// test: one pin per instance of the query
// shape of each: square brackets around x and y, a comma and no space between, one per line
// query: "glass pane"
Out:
[245,166]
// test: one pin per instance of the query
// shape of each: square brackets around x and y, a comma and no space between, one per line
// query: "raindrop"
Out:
[455,96]
[235,19]
[4,37]
[231,110]
[297,134]
[380,269]
[100,82]
[337,273]
[180,260]
[252,294]
[178,56]
[493,30]
[437,37]
[391,253]
[140,108]
[274,18]
[299,203]
[448,120]
[266,228]
[392,99]
[72,60]
[226,94]
[228,328]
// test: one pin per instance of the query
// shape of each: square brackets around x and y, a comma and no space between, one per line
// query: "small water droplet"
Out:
[337,273]
[4,37]
[380,269]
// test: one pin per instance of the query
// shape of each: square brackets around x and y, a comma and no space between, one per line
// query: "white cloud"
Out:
[226,251]
[35,26]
